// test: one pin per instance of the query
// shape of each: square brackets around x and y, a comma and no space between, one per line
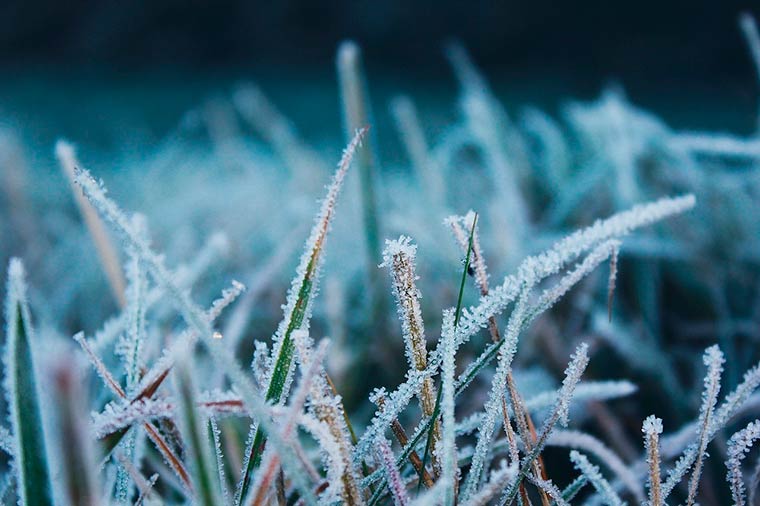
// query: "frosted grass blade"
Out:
[30,455]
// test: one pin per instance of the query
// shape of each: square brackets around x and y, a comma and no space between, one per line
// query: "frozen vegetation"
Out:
[577,301]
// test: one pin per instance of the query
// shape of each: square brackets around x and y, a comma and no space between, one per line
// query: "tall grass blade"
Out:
[357,115]
[30,454]
[297,309]
[714,360]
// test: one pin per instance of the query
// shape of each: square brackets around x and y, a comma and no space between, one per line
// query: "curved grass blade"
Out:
[297,310]
[30,457]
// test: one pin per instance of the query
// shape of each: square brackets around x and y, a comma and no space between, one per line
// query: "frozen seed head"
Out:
[652,425]
[713,357]
[399,256]
[398,247]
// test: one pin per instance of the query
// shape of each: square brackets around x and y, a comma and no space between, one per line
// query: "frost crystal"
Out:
[738,446]
[596,479]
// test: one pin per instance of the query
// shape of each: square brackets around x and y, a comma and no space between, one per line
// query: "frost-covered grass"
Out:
[556,281]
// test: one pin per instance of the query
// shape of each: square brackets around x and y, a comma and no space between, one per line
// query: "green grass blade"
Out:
[31,458]
[437,409]
[465,271]
[194,436]
[297,311]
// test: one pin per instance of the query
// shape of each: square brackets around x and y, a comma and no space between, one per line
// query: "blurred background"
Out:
[97,68]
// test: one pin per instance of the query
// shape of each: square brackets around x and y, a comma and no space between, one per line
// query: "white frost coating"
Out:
[185,276]
[99,366]
[187,338]
[652,425]
[131,345]
[399,257]
[550,489]
[503,474]
[598,255]
[331,456]
[652,428]
[713,359]
[448,442]
[578,363]
[708,144]
[738,446]
[216,434]
[119,416]
[260,362]
[228,297]
[305,282]
[311,259]
[575,486]
[460,225]
[395,482]
[6,441]
[198,320]
[15,301]
[257,284]
[97,195]
[531,271]
[585,391]
[493,405]
[581,441]
[328,408]
[722,415]
[288,422]
[596,479]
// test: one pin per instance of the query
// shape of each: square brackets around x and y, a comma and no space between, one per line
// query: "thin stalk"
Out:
[457,314]
[107,254]
[356,115]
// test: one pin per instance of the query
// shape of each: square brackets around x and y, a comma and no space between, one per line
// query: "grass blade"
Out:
[107,254]
[193,429]
[30,457]
[457,314]
[74,444]
[297,310]
[356,114]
